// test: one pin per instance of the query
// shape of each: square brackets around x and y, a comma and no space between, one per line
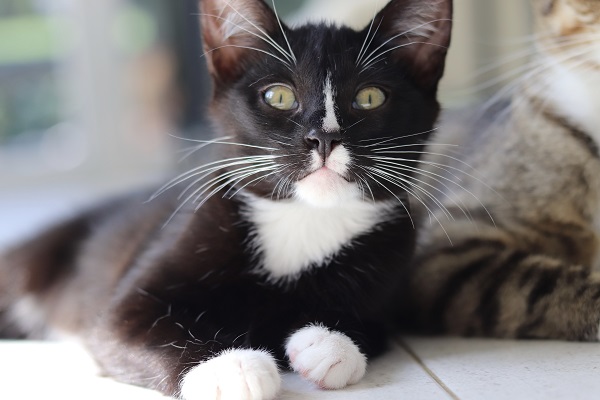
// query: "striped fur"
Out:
[519,254]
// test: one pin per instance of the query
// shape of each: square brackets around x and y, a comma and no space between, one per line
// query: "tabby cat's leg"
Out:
[485,287]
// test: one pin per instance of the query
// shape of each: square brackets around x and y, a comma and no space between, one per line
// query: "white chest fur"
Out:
[293,236]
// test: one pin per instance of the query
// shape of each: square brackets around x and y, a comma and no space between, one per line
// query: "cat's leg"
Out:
[326,357]
[182,351]
[233,374]
[488,284]
[333,352]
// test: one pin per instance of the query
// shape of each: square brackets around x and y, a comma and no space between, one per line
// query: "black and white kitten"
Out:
[284,251]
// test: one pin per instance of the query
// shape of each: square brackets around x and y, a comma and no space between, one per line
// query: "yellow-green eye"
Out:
[369,98]
[281,98]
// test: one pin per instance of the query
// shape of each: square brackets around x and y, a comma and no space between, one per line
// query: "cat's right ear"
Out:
[231,30]
[419,33]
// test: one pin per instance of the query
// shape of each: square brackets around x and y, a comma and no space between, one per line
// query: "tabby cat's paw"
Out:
[328,358]
[236,374]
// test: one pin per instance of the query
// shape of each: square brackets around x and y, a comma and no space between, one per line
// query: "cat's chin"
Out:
[325,188]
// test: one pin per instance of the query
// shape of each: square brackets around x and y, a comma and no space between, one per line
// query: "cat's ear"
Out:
[232,31]
[420,31]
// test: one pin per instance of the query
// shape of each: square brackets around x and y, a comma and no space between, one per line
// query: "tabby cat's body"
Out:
[522,181]
[284,251]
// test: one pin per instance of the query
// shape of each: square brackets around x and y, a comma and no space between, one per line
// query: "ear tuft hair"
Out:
[419,33]
[231,32]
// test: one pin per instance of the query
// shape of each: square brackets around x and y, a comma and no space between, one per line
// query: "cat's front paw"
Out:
[236,374]
[328,358]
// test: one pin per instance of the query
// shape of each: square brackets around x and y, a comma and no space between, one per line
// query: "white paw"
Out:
[236,374]
[328,358]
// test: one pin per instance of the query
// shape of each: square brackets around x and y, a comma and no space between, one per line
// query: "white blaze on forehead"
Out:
[330,122]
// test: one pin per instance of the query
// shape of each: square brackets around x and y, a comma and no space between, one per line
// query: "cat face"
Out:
[566,69]
[325,114]
[570,25]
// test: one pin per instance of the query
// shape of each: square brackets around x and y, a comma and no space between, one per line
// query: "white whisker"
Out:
[371,57]
[291,53]
[399,177]
[212,166]
[264,35]
[363,49]
[372,177]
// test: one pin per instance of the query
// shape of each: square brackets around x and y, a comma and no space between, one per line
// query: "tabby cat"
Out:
[278,254]
[512,247]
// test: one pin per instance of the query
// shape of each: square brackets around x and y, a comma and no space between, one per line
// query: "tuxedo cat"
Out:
[521,256]
[283,252]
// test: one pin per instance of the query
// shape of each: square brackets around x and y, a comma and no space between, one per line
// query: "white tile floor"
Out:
[432,369]
[416,368]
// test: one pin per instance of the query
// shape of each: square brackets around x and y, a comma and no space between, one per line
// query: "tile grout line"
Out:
[429,372]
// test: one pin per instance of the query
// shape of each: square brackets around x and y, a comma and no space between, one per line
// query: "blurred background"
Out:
[92,93]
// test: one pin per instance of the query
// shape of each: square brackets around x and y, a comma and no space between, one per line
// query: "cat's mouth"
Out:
[323,173]
[324,187]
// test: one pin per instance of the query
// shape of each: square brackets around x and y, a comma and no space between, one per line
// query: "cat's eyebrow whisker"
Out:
[374,60]
[264,77]
[372,56]
[285,63]
[265,37]
[363,49]
[291,53]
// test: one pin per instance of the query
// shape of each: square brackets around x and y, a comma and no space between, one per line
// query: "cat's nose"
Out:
[323,141]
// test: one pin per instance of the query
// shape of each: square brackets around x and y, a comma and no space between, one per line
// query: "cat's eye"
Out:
[369,98]
[281,98]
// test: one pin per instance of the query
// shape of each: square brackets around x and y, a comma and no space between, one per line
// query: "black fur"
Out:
[153,299]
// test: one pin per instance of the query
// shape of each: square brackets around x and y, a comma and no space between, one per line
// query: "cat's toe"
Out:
[328,358]
[236,374]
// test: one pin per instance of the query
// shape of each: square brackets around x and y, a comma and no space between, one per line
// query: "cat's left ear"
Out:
[420,31]
[232,32]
